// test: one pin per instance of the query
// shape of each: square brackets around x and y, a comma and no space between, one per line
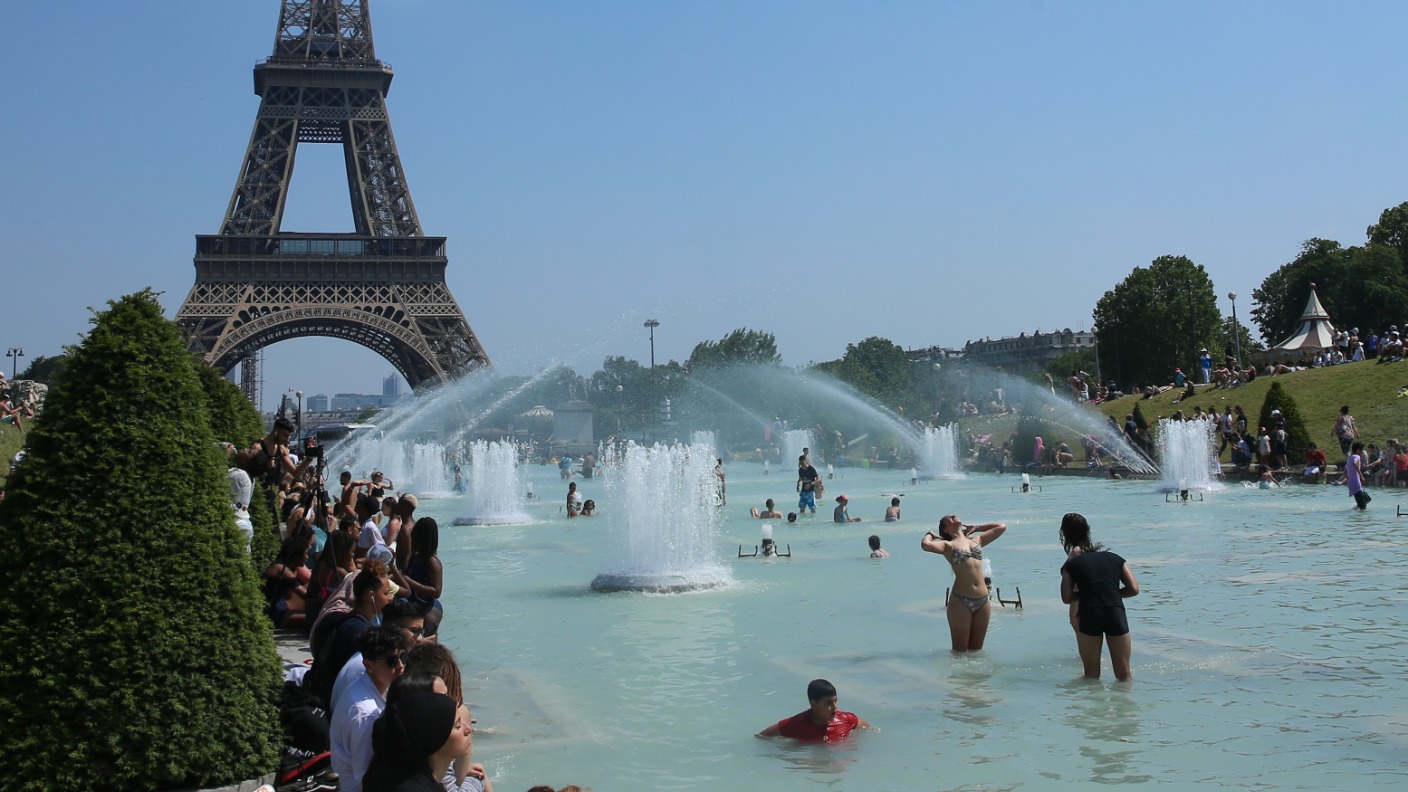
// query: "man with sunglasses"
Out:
[383,651]
[409,617]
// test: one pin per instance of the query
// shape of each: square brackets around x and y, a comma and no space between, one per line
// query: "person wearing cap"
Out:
[1205,363]
[841,515]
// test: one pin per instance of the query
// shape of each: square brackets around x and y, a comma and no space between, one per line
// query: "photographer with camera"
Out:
[268,459]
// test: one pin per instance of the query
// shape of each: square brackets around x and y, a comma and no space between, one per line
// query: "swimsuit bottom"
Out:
[973,604]
[1106,620]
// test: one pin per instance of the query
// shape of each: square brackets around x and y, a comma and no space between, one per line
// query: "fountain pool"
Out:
[1257,663]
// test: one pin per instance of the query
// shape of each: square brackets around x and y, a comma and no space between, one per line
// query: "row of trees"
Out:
[1161,315]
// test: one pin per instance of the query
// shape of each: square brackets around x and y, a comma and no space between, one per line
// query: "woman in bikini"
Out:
[969,608]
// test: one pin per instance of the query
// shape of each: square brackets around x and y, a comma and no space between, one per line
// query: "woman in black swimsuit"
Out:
[1099,580]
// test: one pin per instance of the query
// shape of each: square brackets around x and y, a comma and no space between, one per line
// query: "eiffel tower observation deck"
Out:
[381,286]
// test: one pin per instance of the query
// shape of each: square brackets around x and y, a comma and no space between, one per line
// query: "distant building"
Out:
[932,354]
[391,388]
[1026,353]
[318,403]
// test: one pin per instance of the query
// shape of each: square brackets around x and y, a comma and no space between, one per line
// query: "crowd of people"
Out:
[382,701]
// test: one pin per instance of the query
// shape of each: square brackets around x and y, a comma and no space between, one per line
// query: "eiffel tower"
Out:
[382,286]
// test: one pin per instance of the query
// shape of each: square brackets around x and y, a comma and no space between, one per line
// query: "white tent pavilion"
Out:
[1314,333]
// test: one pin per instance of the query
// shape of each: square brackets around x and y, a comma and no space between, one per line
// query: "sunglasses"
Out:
[395,661]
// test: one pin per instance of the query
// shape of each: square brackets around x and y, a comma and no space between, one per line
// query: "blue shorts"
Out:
[807,500]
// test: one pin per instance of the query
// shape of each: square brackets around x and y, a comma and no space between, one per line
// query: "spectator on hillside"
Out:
[1205,365]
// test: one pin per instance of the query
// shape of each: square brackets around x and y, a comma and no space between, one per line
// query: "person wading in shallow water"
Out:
[969,609]
[1099,580]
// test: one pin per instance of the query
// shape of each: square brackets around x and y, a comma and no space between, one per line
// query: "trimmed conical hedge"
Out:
[1298,437]
[233,419]
[135,652]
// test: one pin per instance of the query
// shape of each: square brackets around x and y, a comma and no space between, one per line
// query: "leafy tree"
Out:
[879,368]
[1229,332]
[233,419]
[1280,299]
[1374,291]
[1298,437]
[1391,230]
[1156,319]
[740,346]
[136,652]
[44,368]
[1076,360]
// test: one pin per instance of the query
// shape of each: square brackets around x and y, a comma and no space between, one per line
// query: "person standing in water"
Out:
[1099,581]
[969,607]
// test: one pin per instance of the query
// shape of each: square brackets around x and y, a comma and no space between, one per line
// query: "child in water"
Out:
[1265,480]
[875,550]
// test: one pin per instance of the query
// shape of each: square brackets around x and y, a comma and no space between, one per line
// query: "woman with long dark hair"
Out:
[423,579]
[1099,581]
[334,564]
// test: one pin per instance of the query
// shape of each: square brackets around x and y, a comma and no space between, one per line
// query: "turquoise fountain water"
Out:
[1262,660]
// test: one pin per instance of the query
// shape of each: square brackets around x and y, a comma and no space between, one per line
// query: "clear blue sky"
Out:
[930,172]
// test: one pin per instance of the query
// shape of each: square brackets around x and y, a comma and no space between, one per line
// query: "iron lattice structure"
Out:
[382,286]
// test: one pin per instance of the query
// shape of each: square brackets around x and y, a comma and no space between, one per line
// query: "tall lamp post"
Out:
[299,417]
[654,392]
[14,354]
[1236,330]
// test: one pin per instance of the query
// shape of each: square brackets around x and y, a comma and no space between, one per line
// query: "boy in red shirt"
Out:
[822,722]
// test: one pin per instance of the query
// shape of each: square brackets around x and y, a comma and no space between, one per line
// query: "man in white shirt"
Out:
[384,654]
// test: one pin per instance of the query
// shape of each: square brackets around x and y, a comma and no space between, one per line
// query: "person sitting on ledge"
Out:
[821,722]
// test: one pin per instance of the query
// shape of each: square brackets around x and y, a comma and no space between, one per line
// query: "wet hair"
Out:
[425,536]
[942,523]
[874,542]
[894,501]
[791,516]
[1075,532]
[437,659]
[345,477]
[820,689]
[381,641]
[284,424]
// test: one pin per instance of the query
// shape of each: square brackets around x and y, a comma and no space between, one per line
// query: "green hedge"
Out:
[135,654]
[1297,434]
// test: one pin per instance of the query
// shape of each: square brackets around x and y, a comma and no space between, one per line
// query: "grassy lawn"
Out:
[10,442]
[1369,388]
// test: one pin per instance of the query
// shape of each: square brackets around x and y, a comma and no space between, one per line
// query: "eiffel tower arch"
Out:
[381,286]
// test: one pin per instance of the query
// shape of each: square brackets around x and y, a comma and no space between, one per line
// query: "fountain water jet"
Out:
[495,486]
[938,453]
[663,521]
[1187,456]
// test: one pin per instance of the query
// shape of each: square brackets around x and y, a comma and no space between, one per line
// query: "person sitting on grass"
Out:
[821,721]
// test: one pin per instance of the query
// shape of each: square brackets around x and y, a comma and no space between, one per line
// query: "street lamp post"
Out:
[299,417]
[654,391]
[1236,330]
[14,354]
